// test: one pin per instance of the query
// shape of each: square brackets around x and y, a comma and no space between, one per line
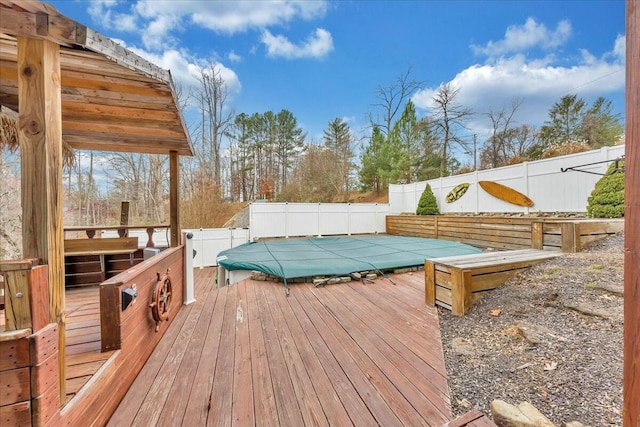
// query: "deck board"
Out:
[82,344]
[347,354]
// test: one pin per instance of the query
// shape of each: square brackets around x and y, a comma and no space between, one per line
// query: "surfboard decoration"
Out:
[505,193]
[457,192]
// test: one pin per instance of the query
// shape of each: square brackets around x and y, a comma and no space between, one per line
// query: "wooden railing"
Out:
[28,347]
[91,231]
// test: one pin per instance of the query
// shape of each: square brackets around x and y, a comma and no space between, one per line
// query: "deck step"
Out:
[457,282]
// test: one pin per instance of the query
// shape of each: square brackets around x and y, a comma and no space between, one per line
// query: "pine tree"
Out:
[607,198]
[428,205]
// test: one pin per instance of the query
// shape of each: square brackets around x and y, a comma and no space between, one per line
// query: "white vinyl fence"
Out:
[542,181]
[316,219]
[209,242]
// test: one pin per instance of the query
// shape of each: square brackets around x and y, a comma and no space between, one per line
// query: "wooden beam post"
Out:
[631,371]
[40,136]
[174,197]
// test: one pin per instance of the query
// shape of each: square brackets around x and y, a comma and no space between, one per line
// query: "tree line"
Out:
[243,157]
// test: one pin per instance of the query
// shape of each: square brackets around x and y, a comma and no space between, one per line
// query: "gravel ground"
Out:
[551,336]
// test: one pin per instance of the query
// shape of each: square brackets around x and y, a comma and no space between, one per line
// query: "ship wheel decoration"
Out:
[161,299]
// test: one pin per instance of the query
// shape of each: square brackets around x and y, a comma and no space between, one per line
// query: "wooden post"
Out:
[429,283]
[537,235]
[27,299]
[124,219]
[568,237]
[40,136]
[174,197]
[631,371]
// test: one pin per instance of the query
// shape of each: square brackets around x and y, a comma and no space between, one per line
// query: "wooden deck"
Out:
[348,354]
[83,354]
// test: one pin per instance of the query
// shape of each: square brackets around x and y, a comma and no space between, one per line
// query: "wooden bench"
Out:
[101,248]
[457,282]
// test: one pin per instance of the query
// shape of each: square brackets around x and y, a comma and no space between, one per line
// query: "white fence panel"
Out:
[315,219]
[334,219]
[542,181]
[208,243]
[302,219]
[268,219]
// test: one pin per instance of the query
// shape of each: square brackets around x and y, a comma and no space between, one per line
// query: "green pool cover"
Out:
[335,256]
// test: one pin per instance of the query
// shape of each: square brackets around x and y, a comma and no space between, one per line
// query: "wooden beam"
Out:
[174,197]
[43,24]
[40,136]
[99,43]
[631,371]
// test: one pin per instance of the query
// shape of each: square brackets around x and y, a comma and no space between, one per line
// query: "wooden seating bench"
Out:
[101,247]
[457,282]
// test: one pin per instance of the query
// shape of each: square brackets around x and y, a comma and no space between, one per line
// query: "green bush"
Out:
[428,204]
[607,198]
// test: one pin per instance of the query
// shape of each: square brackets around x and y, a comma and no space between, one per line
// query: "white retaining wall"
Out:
[543,181]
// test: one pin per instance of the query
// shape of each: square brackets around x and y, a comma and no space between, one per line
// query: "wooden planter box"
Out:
[561,234]
[457,282]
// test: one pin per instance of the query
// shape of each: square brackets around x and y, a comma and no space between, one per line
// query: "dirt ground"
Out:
[551,336]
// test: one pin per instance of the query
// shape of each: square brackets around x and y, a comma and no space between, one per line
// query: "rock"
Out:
[590,309]
[506,415]
[611,288]
[534,415]
[356,276]
[462,346]
[523,415]
[574,424]
[371,276]
[345,279]
[535,334]
[318,282]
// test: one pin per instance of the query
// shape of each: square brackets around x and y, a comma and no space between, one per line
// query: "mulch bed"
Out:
[551,336]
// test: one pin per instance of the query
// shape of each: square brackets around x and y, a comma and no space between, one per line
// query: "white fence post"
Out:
[525,174]
[187,241]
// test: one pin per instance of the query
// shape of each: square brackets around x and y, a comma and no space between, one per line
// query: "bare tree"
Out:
[449,116]
[391,99]
[211,97]
[501,124]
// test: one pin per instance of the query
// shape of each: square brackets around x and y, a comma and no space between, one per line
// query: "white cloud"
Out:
[234,57]
[539,82]
[102,13]
[157,21]
[232,17]
[518,38]
[317,45]
[620,48]
[186,69]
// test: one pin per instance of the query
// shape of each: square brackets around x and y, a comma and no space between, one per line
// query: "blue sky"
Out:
[323,60]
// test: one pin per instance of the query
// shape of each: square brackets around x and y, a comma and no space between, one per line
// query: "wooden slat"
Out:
[44,375]
[18,414]
[16,386]
[74,247]
[15,353]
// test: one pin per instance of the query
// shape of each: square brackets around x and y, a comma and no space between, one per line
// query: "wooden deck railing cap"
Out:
[19,264]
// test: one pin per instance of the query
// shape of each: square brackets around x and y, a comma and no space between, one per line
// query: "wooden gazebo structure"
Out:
[68,82]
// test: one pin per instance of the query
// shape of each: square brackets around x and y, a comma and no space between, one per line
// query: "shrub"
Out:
[607,198]
[428,204]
